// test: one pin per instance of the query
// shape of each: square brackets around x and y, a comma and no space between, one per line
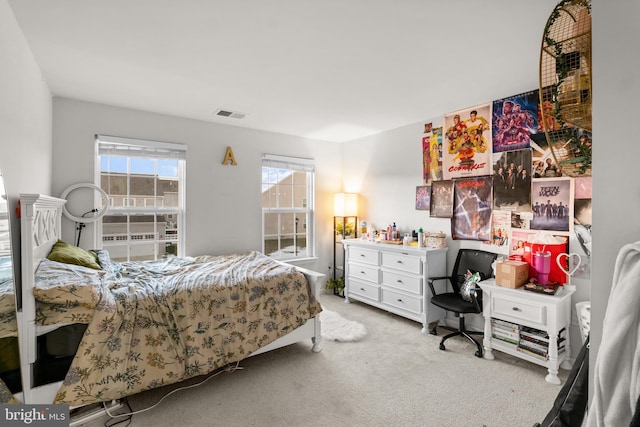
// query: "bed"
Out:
[9,361]
[149,324]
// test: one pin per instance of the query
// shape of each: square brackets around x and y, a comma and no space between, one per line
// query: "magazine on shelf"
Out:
[505,324]
[537,346]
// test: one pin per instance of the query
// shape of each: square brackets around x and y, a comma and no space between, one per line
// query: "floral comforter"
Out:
[160,322]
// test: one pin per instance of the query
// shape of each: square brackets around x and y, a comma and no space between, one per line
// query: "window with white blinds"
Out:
[287,207]
[145,181]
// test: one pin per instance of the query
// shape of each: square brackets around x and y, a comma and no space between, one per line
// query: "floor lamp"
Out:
[345,226]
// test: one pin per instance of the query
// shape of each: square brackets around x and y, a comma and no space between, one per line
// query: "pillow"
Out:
[470,281]
[69,254]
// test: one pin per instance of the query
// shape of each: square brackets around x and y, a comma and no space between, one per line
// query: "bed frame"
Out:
[40,229]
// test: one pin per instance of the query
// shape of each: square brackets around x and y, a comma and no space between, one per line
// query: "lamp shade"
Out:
[345,204]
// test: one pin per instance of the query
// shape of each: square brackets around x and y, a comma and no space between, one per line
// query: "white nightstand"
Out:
[520,322]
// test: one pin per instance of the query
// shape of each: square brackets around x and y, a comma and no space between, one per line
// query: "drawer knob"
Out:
[362,289]
[399,299]
[399,262]
[516,309]
[362,255]
[362,272]
[399,281]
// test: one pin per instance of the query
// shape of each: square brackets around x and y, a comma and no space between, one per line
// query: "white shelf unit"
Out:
[550,314]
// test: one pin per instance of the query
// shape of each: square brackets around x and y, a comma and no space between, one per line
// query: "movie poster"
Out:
[432,155]
[514,120]
[441,199]
[580,239]
[423,198]
[552,205]
[543,164]
[467,143]
[472,209]
[500,232]
[512,180]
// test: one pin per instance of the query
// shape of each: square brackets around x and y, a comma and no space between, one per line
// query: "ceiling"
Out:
[329,70]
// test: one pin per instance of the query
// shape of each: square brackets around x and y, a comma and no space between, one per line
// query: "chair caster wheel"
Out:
[442,347]
[478,353]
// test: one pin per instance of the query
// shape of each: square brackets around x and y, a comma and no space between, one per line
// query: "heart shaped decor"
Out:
[571,256]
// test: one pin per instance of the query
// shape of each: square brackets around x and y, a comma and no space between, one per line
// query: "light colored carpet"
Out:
[394,376]
[337,328]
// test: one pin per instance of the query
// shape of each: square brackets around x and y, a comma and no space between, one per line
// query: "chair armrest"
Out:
[433,279]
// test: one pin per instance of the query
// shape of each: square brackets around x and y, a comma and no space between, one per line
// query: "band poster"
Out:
[441,199]
[552,205]
[467,143]
[514,120]
[472,209]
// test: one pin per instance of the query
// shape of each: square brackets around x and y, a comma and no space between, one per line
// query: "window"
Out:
[145,181]
[287,207]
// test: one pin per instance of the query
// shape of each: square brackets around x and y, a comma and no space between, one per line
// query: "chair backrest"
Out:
[474,260]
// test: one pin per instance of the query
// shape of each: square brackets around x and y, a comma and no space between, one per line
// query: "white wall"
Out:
[25,113]
[385,170]
[616,92]
[223,201]
[25,121]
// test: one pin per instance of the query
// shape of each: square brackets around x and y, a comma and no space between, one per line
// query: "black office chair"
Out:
[475,261]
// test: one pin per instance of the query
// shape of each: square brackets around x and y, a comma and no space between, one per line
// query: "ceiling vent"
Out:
[231,114]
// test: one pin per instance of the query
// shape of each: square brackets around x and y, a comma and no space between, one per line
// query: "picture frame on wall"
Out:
[441,199]
[432,156]
[514,120]
[423,197]
[467,142]
[552,204]
[472,209]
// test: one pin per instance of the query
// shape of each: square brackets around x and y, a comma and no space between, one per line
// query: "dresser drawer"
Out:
[402,262]
[519,310]
[367,256]
[402,301]
[405,282]
[364,272]
[363,289]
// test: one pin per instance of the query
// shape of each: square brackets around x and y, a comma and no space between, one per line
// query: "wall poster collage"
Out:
[490,170]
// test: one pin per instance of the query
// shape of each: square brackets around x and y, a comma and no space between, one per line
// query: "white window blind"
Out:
[292,163]
[127,147]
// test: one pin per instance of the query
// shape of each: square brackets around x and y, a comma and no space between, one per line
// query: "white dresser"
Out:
[529,325]
[394,278]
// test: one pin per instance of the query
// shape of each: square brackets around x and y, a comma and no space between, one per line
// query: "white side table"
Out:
[546,313]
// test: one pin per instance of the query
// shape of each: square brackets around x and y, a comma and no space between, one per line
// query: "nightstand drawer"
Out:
[402,301]
[366,256]
[402,262]
[519,310]
[366,290]
[363,272]
[407,283]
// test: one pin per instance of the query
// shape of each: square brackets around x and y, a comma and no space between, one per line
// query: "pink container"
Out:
[542,264]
